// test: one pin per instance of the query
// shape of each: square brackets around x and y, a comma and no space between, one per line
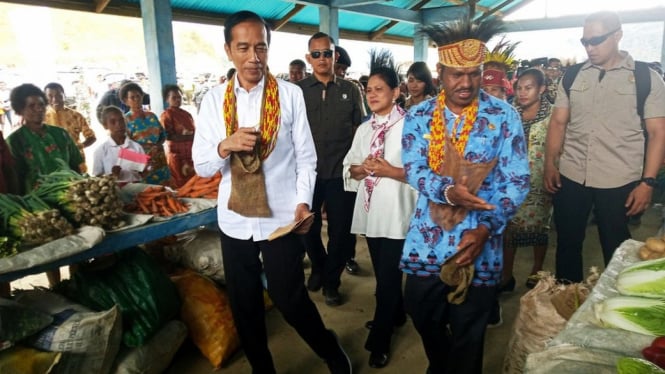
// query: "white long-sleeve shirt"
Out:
[392,202]
[290,170]
[106,157]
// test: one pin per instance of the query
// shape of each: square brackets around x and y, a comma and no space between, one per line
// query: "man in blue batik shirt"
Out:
[482,130]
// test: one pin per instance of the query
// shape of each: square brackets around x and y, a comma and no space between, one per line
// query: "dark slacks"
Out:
[282,264]
[572,204]
[385,254]
[453,335]
[339,209]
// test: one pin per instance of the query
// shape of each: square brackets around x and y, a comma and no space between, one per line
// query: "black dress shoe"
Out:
[332,297]
[339,362]
[314,282]
[352,267]
[508,286]
[399,323]
[378,360]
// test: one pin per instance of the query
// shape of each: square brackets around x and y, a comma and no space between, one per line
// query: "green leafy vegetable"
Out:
[636,314]
[646,279]
[632,365]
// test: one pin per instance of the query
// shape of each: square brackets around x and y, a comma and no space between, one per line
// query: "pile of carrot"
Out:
[157,200]
[199,187]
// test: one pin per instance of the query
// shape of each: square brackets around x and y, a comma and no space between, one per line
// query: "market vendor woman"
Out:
[36,146]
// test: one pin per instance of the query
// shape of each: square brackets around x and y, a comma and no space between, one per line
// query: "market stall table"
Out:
[584,346]
[121,240]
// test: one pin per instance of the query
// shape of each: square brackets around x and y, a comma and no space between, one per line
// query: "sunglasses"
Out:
[594,41]
[327,53]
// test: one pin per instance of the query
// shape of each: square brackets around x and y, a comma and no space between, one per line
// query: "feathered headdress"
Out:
[462,43]
[501,57]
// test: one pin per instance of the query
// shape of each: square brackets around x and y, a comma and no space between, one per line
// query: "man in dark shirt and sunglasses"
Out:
[334,111]
[595,156]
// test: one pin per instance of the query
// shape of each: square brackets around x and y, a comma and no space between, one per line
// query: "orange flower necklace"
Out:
[459,138]
[270,114]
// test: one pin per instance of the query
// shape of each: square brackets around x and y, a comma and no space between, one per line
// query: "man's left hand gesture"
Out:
[460,195]
[302,210]
[639,199]
[472,244]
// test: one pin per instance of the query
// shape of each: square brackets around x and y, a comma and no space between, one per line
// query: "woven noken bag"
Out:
[448,216]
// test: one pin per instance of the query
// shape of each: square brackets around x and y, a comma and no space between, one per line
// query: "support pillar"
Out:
[158,37]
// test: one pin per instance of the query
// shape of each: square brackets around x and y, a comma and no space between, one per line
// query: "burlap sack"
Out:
[538,320]
[455,166]
[536,323]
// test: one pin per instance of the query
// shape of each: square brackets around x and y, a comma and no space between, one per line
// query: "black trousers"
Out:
[453,335]
[572,205]
[341,243]
[385,254]
[282,264]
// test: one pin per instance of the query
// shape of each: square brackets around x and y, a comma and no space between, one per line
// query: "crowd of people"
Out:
[445,177]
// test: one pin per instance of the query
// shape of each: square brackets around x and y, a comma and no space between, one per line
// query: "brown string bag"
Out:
[248,185]
[448,216]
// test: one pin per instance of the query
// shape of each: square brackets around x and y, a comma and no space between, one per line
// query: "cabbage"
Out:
[632,365]
[645,278]
[636,314]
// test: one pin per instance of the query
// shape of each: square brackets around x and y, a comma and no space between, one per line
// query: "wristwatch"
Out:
[651,182]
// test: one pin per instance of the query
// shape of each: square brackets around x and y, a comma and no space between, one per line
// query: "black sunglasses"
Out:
[327,53]
[594,41]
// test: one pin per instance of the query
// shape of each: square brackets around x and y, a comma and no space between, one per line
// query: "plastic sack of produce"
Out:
[18,322]
[155,356]
[570,359]
[89,340]
[146,296]
[207,314]
[586,331]
[200,251]
[25,360]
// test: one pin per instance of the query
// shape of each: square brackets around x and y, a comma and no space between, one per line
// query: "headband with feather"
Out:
[501,57]
[462,42]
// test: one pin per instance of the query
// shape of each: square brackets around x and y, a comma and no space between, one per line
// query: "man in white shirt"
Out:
[254,129]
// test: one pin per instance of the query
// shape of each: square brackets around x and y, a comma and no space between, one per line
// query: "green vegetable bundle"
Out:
[8,247]
[636,314]
[645,278]
[31,221]
[632,365]
[83,200]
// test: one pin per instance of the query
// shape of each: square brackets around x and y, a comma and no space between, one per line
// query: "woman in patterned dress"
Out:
[179,125]
[530,226]
[38,148]
[144,128]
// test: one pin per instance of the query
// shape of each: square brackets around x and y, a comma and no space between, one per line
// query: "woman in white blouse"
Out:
[384,203]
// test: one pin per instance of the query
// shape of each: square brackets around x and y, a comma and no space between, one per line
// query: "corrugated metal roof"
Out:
[357,19]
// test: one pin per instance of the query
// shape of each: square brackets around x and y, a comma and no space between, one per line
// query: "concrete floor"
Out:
[291,355]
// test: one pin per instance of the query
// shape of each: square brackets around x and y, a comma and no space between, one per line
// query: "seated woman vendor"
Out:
[106,156]
[38,148]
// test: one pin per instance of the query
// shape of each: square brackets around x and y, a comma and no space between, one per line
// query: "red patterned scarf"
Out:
[270,114]
[377,147]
